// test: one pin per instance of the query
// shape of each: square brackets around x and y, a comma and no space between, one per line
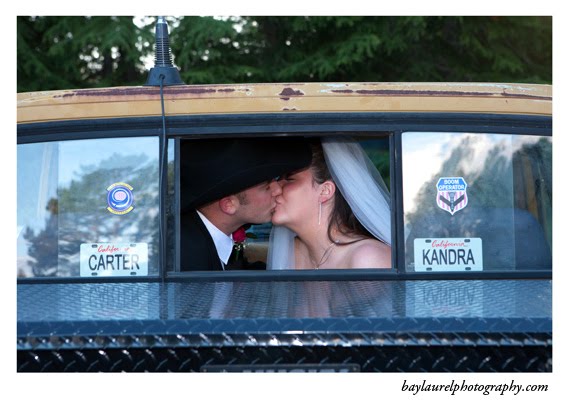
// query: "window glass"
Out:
[88,208]
[476,202]
[252,254]
[172,241]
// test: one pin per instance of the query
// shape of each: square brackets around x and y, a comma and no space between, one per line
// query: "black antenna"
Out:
[163,65]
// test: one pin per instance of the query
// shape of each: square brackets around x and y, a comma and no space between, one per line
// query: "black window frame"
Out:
[393,124]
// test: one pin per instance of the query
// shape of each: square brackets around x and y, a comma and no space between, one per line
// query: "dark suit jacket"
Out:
[198,251]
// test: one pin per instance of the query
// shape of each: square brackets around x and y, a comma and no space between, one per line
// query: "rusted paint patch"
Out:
[291,92]
[112,92]
[286,93]
[194,91]
[436,93]
[146,91]
[526,96]
[424,92]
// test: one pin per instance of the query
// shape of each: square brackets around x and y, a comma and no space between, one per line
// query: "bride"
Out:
[334,214]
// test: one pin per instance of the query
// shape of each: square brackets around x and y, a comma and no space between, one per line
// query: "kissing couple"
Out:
[327,203]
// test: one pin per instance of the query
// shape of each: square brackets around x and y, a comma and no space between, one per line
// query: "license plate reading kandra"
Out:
[447,254]
[114,259]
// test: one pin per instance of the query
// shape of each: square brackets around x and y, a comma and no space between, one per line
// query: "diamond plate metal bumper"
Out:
[499,325]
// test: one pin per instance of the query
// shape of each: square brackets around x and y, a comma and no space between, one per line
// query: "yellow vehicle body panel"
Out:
[141,101]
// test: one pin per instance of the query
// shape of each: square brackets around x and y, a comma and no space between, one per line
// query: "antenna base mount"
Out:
[170,74]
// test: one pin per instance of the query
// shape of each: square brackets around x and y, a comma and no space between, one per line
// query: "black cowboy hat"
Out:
[214,168]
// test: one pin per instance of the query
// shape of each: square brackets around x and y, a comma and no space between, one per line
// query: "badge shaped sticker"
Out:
[452,194]
[120,198]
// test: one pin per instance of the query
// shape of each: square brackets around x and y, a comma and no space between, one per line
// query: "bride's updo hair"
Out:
[341,216]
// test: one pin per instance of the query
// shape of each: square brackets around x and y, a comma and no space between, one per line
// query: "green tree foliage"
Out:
[74,52]
[79,52]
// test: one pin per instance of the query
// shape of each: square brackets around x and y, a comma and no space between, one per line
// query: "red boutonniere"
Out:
[239,237]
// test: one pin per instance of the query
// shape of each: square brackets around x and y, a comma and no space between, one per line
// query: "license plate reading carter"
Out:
[114,259]
[448,254]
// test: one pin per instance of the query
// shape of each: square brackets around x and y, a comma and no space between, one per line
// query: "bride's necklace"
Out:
[325,256]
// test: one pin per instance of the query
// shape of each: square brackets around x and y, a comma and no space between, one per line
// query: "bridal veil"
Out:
[362,187]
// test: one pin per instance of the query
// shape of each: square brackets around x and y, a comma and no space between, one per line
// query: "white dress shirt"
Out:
[223,242]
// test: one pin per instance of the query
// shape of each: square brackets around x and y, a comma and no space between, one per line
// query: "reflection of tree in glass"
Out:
[84,218]
[489,184]
[170,213]
[381,159]
[509,201]
[533,181]
[43,247]
[377,150]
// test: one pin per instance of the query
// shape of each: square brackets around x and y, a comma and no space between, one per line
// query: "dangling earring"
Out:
[320,207]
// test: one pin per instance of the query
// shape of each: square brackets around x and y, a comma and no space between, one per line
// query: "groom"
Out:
[227,183]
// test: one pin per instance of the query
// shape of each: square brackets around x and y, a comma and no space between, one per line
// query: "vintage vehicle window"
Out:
[88,208]
[475,202]
[256,244]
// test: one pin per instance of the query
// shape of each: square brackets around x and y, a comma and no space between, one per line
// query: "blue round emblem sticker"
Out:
[120,198]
